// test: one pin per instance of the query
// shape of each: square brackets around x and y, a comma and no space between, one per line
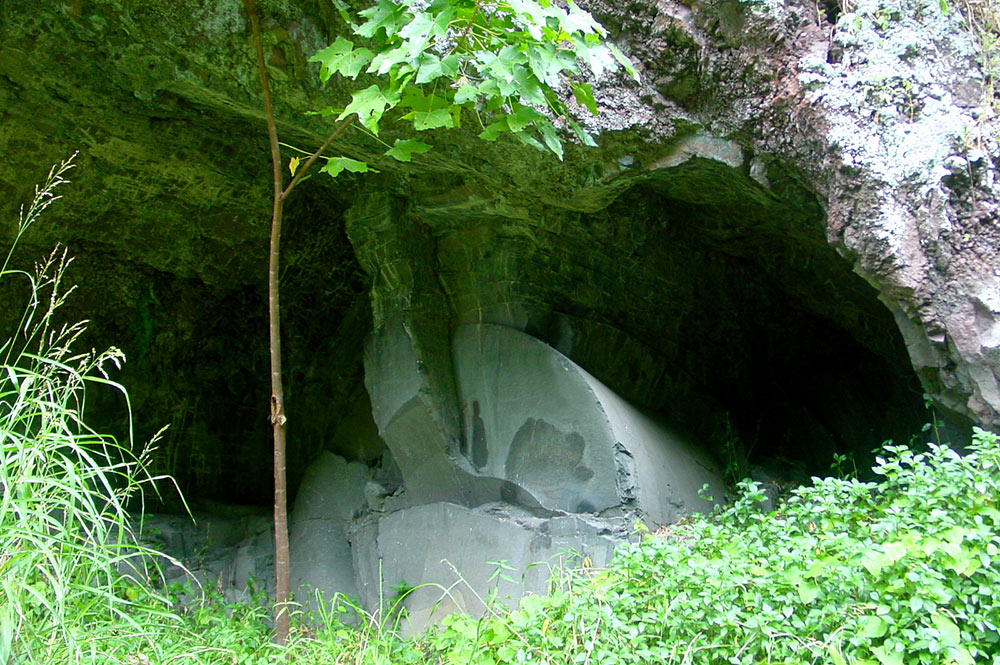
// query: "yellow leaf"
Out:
[293,165]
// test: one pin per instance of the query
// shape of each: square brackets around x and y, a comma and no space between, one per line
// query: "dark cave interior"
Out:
[737,325]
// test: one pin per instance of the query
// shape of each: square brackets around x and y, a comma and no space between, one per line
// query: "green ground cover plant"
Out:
[902,571]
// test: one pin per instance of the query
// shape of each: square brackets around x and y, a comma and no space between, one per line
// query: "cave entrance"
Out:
[698,296]
[738,322]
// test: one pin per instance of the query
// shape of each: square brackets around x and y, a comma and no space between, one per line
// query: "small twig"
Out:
[316,155]
[593,641]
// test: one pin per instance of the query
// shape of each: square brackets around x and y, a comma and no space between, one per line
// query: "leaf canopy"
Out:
[509,64]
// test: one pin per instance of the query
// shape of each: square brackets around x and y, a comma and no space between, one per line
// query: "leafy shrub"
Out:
[902,571]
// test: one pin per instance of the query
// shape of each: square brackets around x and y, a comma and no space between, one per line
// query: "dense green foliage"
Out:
[900,571]
[65,538]
[503,63]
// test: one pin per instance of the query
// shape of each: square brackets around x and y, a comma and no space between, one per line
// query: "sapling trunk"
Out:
[282,566]
[278,421]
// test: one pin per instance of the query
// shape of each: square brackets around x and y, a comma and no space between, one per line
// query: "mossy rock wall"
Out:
[726,258]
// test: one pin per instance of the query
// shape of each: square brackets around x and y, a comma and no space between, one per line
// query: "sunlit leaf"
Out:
[403,150]
[598,57]
[336,165]
[386,60]
[808,592]
[424,120]
[623,61]
[873,562]
[431,67]
[873,627]
[582,21]
[545,64]
[342,57]
[369,104]
[950,634]
[386,16]
[894,551]
[887,657]
[466,93]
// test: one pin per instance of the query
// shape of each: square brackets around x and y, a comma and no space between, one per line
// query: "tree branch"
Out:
[312,159]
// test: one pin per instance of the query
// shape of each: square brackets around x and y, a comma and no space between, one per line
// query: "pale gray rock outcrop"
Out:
[915,203]
[544,460]
[331,496]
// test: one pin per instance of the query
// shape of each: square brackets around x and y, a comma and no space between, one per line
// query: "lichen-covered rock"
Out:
[914,202]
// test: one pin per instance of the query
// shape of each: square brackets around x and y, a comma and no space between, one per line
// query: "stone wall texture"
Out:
[784,244]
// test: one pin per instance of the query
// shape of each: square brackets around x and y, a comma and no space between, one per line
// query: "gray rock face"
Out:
[226,548]
[535,430]
[332,494]
[545,460]
[464,554]
[534,418]
[231,549]
[917,187]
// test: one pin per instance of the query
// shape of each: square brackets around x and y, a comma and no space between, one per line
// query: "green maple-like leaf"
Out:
[423,120]
[369,104]
[466,93]
[337,165]
[495,129]
[523,117]
[528,86]
[431,67]
[386,16]
[403,150]
[341,56]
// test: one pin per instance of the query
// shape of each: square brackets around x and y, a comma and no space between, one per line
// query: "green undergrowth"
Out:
[901,571]
[67,550]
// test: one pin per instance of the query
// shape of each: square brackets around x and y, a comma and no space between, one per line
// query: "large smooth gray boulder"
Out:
[535,430]
[536,419]
[543,461]
[458,556]
[331,495]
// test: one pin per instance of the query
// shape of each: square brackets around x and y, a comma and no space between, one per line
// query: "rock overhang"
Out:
[729,159]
